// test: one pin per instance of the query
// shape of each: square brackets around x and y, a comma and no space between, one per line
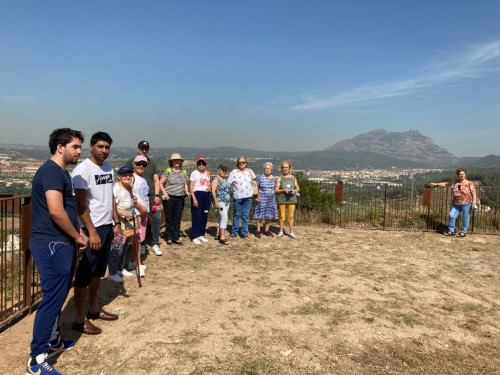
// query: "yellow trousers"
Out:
[290,207]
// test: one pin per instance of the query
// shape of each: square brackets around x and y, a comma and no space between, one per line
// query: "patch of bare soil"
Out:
[334,301]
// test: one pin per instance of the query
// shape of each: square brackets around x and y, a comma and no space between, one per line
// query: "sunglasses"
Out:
[143,165]
[201,163]
[242,162]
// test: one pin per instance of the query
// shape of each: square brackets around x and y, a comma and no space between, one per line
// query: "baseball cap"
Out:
[125,169]
[139,158]
[201,158]
[143,144]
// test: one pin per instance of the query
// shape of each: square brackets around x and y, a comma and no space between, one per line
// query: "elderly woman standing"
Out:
[221,196]
[240,180]
[286,187]
[173,185]
[200,200]
[125,203]
[463,199]
[266,208]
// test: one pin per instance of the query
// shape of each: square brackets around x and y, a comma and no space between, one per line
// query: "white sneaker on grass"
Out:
[124,272]
[293,236]
[280,234]
[116,278]
[203,239]
[197,241]
[156,250]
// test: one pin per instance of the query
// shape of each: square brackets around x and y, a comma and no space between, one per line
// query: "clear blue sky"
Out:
[267,75]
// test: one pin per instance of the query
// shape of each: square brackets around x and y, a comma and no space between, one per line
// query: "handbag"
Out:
[255,187]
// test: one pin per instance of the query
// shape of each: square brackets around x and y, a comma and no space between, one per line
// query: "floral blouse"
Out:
[462,194]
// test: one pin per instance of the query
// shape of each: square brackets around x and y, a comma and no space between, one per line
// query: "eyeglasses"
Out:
[142,165]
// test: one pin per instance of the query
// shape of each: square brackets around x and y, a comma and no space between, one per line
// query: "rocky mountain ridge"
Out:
[409,145]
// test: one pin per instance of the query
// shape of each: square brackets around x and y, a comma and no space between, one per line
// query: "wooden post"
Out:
[426,202]
[338,198]
[339,191]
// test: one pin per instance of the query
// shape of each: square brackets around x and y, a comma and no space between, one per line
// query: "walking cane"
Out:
[137,255]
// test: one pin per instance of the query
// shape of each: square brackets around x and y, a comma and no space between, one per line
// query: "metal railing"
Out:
[19,281]
[401,207]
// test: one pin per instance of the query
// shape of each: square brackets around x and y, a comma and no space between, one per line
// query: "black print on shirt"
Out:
[101,179]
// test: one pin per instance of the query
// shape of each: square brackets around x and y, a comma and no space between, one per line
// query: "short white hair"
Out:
[268,163]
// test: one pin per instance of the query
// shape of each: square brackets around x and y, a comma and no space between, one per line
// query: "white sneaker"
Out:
[143,267]
[203,239]
[293,236]
[156,250]
[280,234]
[124,272]
[197,241]
[142,272]
[116,278]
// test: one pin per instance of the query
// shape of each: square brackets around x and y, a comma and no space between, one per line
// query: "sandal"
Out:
[461,235]
[224,241]
[269,234]
[257,234]
[448,234]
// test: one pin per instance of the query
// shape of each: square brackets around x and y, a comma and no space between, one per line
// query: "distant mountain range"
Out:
[375,149]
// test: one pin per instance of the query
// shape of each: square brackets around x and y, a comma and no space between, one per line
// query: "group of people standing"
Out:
[79,217]
[243,185]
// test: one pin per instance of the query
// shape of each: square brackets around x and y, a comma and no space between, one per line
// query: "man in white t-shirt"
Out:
[93,181]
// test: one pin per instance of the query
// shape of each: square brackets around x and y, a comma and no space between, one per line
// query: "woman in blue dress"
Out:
[266,207]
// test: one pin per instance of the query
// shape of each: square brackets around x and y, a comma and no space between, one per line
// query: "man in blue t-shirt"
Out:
[54,237]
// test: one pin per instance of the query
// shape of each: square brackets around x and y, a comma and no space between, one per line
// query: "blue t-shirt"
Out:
[51,176]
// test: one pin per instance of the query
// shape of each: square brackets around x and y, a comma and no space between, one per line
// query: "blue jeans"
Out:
[241,209]
[454,212]
[155,221]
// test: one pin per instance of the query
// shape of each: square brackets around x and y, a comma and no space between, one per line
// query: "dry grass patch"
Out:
[333,302]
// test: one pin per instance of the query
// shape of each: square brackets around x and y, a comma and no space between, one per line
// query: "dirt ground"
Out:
[335,301]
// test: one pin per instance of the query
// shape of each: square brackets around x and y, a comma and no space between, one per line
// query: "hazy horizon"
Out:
[268,76]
